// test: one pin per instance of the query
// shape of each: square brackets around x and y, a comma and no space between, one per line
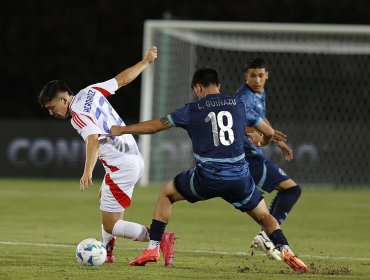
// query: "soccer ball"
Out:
[91,252]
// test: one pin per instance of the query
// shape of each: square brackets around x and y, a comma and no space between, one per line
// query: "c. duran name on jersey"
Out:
[89,101]
[219,102]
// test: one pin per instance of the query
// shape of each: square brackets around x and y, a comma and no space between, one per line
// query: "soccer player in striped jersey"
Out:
[267,174]
[92,116]
[216,125]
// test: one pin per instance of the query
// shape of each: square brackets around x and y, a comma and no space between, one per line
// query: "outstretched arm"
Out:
[147,127]
[130,74]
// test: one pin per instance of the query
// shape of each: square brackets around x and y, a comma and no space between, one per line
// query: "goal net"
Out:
[318,92]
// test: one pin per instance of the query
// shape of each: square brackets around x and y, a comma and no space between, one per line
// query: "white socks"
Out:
[130,230]
[153,244]
[284,247]
[106,236]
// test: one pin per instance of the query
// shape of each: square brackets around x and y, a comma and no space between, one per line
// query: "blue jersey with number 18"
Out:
[216,126]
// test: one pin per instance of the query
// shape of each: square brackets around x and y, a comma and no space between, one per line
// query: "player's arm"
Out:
[147,127]
[255,136]
[267,132]
[130,74]
[277,132]
[285,149]
[92,151]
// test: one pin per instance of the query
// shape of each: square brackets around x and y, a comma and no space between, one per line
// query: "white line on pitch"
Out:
[185,251]
[35,244]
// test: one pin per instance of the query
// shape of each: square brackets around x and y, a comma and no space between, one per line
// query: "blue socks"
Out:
[283,202]
[157,229]
[278,238]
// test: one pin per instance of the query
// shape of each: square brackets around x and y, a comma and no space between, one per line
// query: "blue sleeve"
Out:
[248,101]
[180,117]
[253,119]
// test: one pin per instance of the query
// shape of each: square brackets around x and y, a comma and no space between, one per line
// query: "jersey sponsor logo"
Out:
[220,102]
[89,101]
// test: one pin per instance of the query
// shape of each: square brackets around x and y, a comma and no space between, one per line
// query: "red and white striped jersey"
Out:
[92,113]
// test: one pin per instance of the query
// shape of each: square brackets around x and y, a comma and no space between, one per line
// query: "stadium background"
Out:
[83,42]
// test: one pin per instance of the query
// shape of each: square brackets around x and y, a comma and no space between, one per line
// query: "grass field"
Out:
[42,221]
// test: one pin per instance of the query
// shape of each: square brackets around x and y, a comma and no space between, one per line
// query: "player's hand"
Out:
[279,136]
[85,181]
[115,130]
[151,54]
[286,151]
[255,137]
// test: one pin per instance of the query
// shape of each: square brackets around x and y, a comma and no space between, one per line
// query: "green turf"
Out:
[329,229]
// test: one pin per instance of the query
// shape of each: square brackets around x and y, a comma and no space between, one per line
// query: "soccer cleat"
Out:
[168,247]
[263,243]
[147,256]
[295,263]
[110,254]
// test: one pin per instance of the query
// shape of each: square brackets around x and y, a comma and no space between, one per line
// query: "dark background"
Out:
[84,42]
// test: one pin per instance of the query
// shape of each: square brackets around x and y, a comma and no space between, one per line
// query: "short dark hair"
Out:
[51,89]
[205,77]
[255,63]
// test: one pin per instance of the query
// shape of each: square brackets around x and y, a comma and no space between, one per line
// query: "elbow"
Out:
[123,82]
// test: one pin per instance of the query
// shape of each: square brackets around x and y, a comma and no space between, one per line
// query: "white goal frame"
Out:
[182,30]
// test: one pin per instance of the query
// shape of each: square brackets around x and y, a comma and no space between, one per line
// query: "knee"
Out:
[168,192]
[164,193]
[294,191]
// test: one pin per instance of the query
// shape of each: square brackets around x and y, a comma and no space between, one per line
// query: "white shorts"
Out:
[119,182]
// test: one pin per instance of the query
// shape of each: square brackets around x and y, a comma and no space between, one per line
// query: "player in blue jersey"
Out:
[267,174]
[216,125]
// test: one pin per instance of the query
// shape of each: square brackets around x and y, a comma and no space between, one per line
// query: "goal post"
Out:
[318,92]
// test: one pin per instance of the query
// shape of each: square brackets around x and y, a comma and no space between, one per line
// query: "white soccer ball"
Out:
[91,252]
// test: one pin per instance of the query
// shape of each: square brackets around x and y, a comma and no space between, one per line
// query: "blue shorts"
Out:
[241,193]
[267,174]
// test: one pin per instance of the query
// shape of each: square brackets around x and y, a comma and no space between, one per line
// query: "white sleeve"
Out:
[106,88]
[85,125]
